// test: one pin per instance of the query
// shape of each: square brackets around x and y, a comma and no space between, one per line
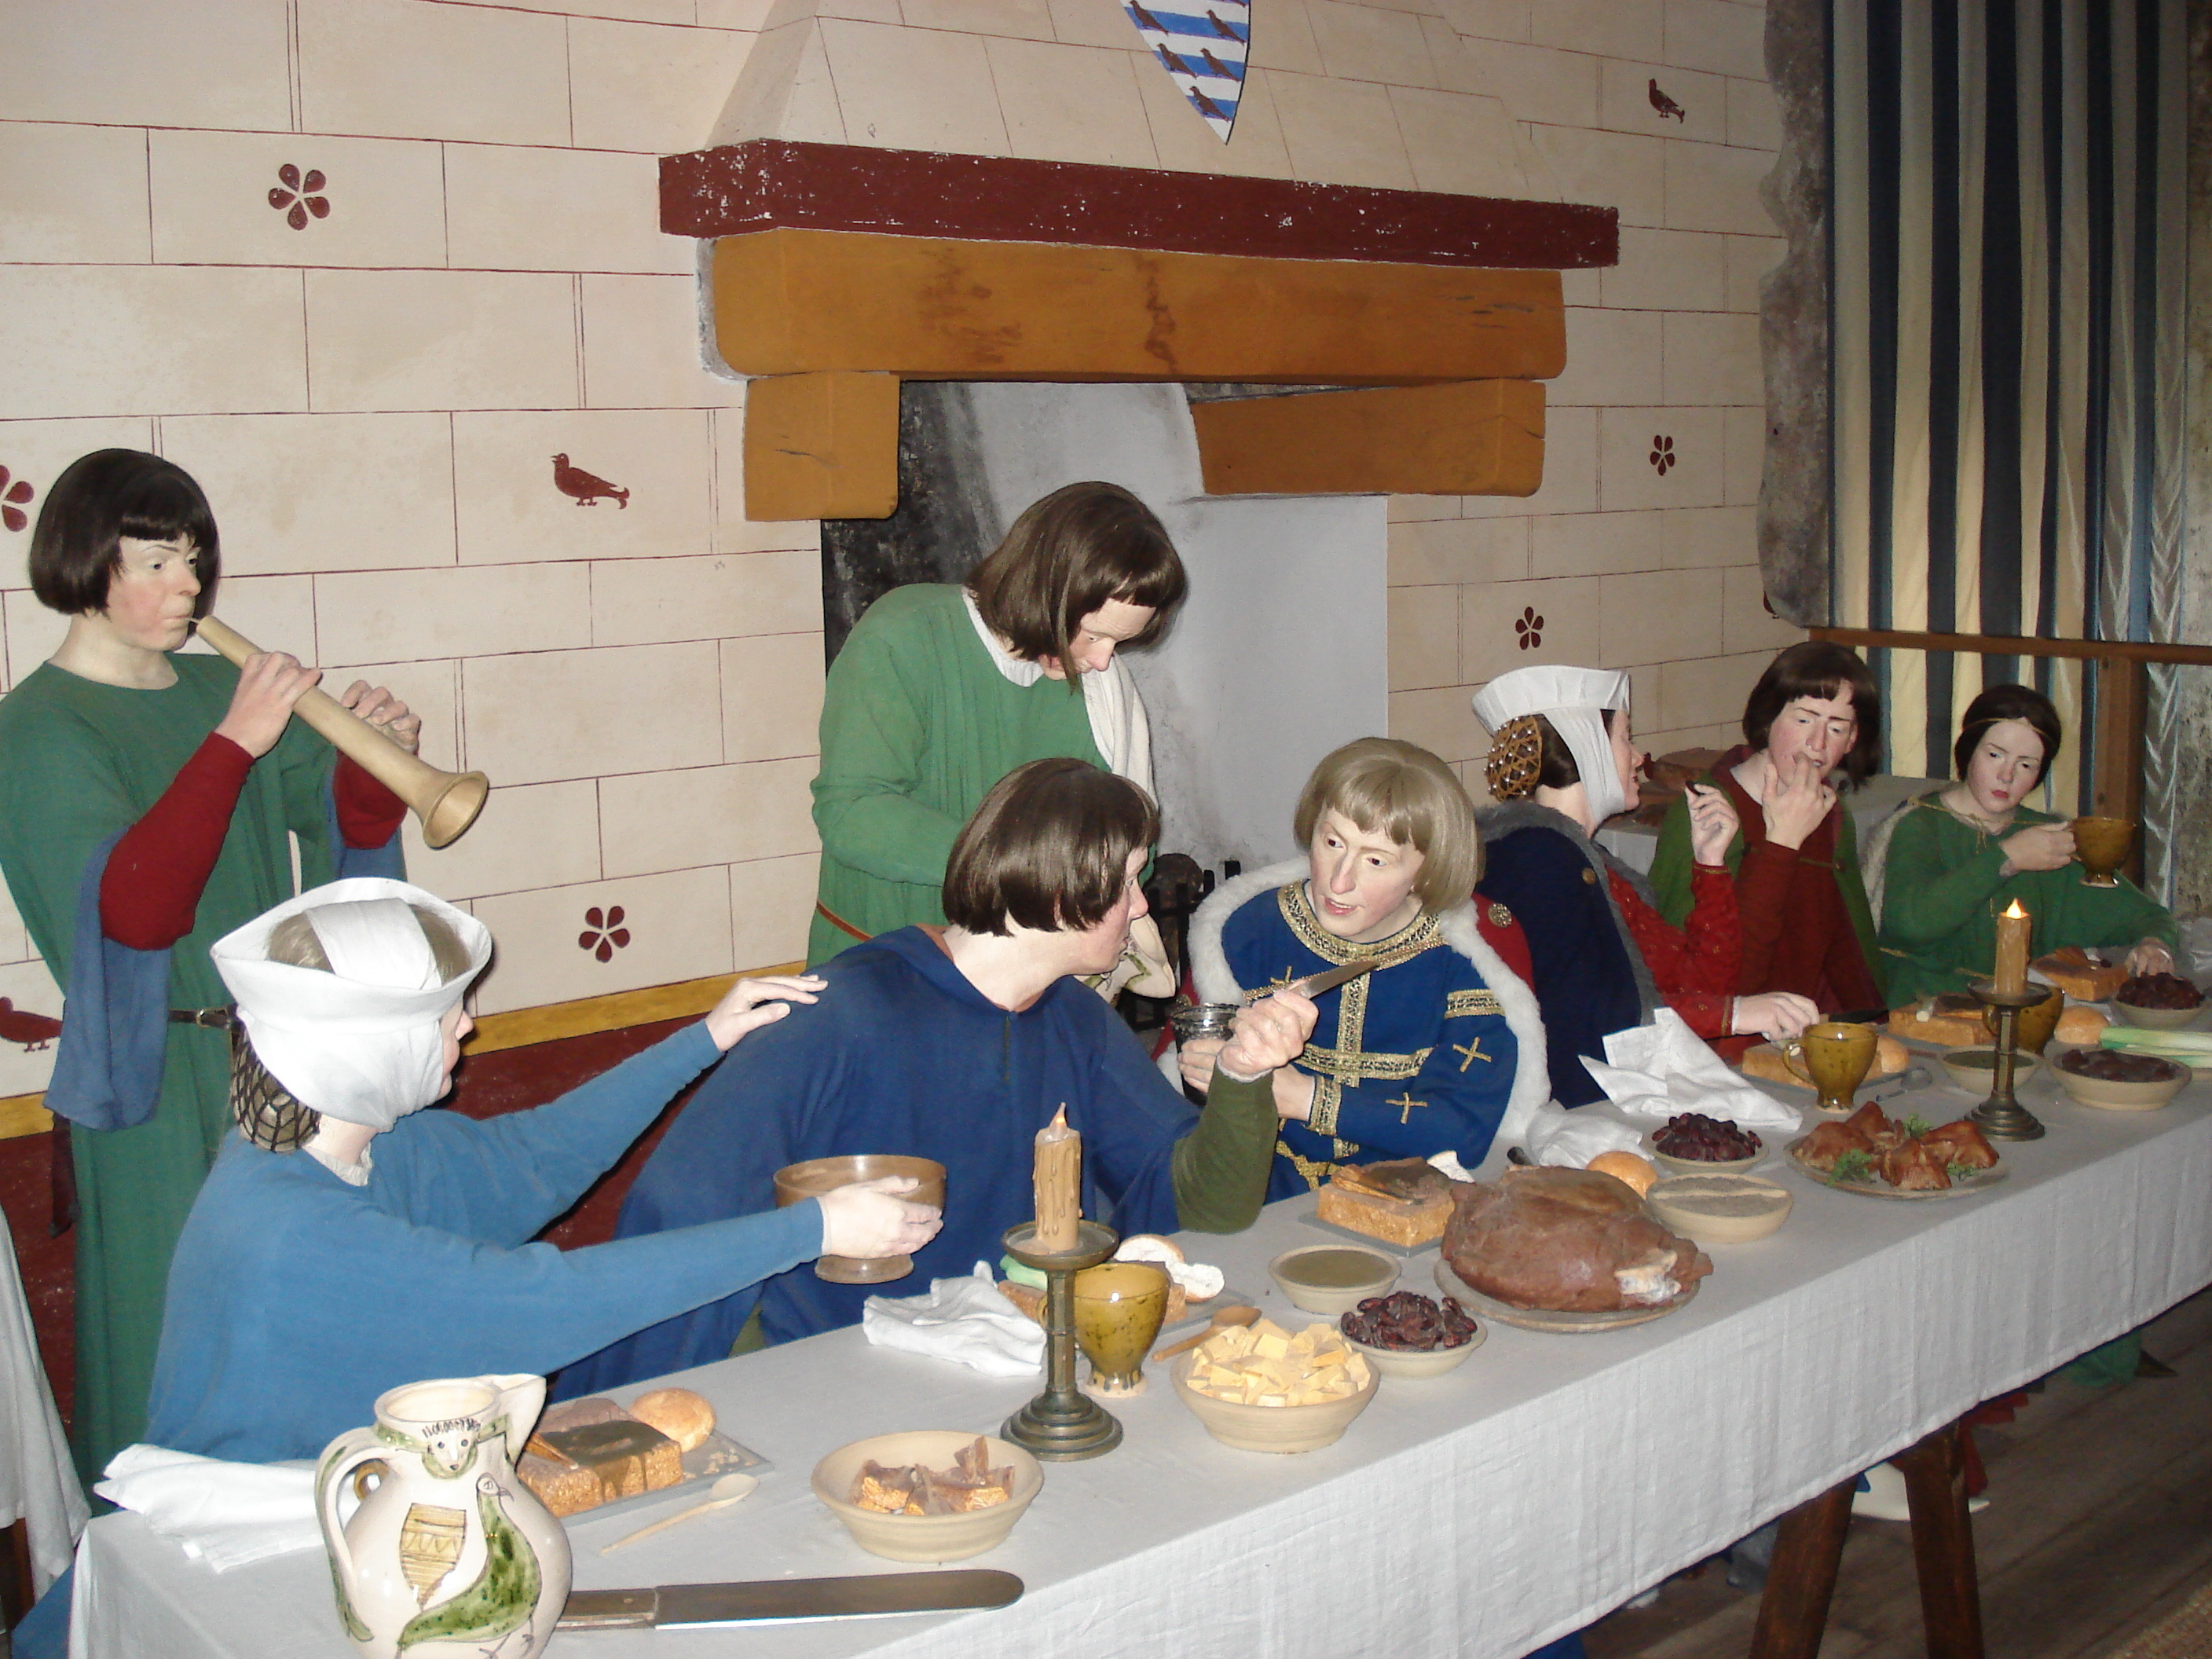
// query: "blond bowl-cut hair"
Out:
[1390,788]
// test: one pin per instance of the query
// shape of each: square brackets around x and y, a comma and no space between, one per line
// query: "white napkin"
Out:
[965,1321]
[223,1514]
[1663,1068]
[1567,1139]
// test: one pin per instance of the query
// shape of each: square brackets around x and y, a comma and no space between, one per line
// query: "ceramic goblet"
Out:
[2034,1025]
[2103,846]
[1833,1057]
[796,1182]
[1118,1309]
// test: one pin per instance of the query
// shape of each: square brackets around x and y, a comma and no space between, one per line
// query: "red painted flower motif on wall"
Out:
[604,934]
[1529,627]
[1663,454]
[299,195]
[14,493]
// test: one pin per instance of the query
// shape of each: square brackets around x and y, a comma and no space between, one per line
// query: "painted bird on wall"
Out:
[588,488]
[1666,105]
[33,1031]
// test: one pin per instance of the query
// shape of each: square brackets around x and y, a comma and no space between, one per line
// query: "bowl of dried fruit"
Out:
[1260,1388]
[2119,1082]
[1692,1143]
[928,1494]
[2160,1002]
[1408,1335]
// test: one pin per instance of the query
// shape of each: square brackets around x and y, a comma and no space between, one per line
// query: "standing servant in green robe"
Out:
[942,690]
[1959,856]
[198,767]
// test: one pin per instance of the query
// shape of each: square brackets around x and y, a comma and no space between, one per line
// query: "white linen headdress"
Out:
[363,1041]
[1574,700]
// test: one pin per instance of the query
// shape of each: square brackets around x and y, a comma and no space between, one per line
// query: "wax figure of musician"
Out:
[941,690]
[1959,856]
[145,802]
[958,1043]
[394,1244]
[1562,761]
[1802,904]
[1422,1054]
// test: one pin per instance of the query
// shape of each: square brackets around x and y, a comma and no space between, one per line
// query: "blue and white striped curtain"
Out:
[2009,304]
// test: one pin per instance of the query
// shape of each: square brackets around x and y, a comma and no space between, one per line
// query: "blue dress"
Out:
[1417,1057]
[901,1055]
[294,1298]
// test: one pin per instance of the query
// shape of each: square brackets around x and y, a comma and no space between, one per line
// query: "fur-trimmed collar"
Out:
[1532,1083]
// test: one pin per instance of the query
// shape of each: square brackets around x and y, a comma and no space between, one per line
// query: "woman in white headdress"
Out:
[348,1241]
[1562,762]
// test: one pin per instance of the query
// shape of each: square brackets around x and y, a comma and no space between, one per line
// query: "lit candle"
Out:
[1058,1180]
[2012,948]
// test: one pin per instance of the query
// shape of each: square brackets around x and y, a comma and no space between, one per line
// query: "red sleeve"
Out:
[1501,930]
[1678,977]
[368,813]
[1762,907]
[1714,934]
[151,889]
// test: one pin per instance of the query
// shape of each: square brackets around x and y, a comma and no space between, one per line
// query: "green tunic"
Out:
[79,762]
[1943,891]
[917,724]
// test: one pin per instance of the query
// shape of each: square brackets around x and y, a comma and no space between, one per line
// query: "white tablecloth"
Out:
[1522,1495]
[38,1483]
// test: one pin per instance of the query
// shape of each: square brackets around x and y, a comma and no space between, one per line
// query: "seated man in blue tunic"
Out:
[1423,1053]
[958,1044]
[394,1244]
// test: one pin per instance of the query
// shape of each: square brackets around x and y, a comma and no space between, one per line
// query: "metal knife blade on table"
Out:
[865,1595]
[1314,984]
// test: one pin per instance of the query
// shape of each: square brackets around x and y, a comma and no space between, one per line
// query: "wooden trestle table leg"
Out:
[1943,1544]
[1808,1549]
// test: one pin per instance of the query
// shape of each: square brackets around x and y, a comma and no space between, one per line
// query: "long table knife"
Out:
[1314,984]
[867,1595]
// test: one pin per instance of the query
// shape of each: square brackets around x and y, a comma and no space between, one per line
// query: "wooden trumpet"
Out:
[446,802]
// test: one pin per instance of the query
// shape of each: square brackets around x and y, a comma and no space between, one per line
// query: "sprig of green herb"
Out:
[1959,1171]
[1917,1126]
[1852,1165]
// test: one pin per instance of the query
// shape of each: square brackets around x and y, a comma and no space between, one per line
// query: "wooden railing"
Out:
[2120,691]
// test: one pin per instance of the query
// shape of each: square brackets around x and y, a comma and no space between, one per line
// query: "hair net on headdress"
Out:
[1574,700]
[363,1041]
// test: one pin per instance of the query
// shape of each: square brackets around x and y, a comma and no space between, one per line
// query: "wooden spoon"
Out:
[1223,1319]
[730,1489]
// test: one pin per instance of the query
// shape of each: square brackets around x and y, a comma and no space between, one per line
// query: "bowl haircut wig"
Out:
[1048,849]
[1398,789]
[1819,669]
[76,546]
[2009,702]
[1066,556]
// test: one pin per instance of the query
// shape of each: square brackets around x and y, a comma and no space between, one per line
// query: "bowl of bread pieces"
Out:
[1260,1388]
[928,1494]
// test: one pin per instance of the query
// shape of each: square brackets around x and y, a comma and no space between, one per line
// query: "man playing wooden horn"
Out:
[145,800]
[958,1043]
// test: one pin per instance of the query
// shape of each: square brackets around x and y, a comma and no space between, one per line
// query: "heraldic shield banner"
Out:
[1202,47]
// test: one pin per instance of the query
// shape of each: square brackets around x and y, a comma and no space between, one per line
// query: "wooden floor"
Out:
[2100,1524]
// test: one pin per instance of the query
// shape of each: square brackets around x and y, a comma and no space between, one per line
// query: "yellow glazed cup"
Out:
[2102,845]
[1118,1309]
[1834,1057]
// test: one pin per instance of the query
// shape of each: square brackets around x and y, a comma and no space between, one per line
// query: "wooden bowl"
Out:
[1331,1279]
[796,1182]
[1273,1428]
[1700,1166]
[2154,1019]
[1974,1070]
[2111,1097]
[1418,1362]
[1720,1209]
[925,1537]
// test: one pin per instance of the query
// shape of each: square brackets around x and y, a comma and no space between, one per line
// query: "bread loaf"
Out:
[682,1415]
[2081,1026]
[2081,976]
[1638,1172]
[1942,1021]
[598,1463]
[1404,1201]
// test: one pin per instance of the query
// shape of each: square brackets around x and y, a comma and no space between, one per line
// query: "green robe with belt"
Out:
[917,724]
[1944,888]
[79,762]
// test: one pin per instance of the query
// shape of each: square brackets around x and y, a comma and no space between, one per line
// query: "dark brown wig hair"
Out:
[1819,669]
[1048,849]
[1558,769]
[2009,702]
[100,498]
[1065,557]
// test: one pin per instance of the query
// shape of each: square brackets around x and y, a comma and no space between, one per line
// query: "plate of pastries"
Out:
[1876,1156]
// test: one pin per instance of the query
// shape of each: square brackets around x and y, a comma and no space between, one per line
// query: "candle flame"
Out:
[2014,911]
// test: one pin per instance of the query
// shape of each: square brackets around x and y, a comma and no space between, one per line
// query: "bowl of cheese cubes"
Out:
[1260,1388]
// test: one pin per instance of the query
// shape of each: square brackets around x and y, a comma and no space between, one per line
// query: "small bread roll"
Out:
[1628,1168]
[682,1415]
[1149,1247]
[2081,1025]
[1890,1056]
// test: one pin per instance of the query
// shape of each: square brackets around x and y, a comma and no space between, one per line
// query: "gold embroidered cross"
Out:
[1406,1103]
[1473,1050]
[1288,975]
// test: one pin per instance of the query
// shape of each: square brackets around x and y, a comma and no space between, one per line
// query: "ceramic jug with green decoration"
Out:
[445,1551]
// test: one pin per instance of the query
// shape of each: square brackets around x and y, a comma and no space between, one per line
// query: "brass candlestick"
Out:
[1062,1424]
[2001,1117]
